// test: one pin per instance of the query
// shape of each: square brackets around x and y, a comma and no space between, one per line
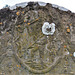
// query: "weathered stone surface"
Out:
[25,50]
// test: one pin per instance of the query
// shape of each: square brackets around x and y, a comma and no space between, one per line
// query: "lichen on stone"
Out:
[42,3]
[48,29]
[59,7]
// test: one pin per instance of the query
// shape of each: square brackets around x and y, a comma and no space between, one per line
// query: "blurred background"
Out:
[69,4]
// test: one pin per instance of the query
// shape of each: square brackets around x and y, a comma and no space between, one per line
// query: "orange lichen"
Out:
[22,12]
[70,54]
[37,19]
[68,30]
[7,32]
[67,27]
[17,69]
[19,65]
[19,26]
[70,24]
[0,23]
[25,34]
[28,23]
[24,21]
[17,13]
[19,30]
[64,46]
[66,62]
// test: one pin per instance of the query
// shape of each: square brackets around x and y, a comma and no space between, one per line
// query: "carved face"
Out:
[38,48]
[40,36]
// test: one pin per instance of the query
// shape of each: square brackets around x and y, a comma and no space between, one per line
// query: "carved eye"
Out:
[48,29]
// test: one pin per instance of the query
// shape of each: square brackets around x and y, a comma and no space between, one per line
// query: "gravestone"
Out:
[37,38]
